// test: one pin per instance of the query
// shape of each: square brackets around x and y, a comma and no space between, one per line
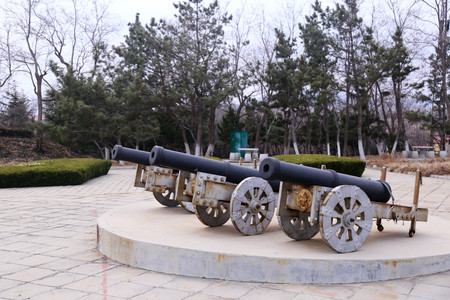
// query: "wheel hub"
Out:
[255,206]
[349,220]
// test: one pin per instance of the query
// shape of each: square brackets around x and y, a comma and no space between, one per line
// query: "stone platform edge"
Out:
[214,265]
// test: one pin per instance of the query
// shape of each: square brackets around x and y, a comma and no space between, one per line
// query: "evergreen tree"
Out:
[17,112]
[400,68]
[320,67]
[281,79]
[202,75]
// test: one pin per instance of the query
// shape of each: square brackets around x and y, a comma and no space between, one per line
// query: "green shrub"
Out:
[346,165]
[71,171]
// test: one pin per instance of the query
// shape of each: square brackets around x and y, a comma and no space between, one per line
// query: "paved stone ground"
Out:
[48,250]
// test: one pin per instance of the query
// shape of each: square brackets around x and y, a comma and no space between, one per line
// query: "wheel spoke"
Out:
[353,210]
[213,216]
[264,200]
[252,206]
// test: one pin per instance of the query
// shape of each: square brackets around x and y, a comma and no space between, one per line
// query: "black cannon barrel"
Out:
[131,155]
[272,168]
[190,163]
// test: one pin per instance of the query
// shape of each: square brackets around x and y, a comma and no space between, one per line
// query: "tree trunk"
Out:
[380,147]
[266,139]
[443,39]
[362,156]
[199,134]
[100,149]
[383,109]
[185,141]
[258,132]
[136,146]
[308,134]
[210,150]
[326,128]
[198,142]
[286,135]
[347,118]
[211,132]
[39,132]
[394,147]
[293,133]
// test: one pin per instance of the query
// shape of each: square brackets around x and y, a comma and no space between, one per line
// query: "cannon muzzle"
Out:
[190,163]
[273,169]
[131,155]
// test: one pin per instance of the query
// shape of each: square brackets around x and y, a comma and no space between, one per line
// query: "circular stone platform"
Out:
[171,240]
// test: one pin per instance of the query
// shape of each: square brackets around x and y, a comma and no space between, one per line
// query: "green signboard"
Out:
[238,139]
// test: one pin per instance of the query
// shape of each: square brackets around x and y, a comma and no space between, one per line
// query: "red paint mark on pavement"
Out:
[105,282]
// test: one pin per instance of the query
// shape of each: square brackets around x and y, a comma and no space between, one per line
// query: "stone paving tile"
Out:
[59,223]
[123,273]
[95,296]
[58,294]
[403,286]
[153,278]
[67,252]
[228,289]
[29,274]
[201,296]
[312,297]
[10,256]
[90,269]
[60,279]
[16,246]
[128,290]
[25,291]
[263,293]
[377,295]
[92,284]
[40,249]
[35,260]
[429,291]
[61,264]
[88,255]
[296,288]
[332,291]
[184,283]
[6,284]
[162,294]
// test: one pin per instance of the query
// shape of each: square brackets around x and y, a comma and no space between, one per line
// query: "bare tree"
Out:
[401,66]
[256,62]
[75,31]
[439,11]
[6,61]
[66,32]
[26,17]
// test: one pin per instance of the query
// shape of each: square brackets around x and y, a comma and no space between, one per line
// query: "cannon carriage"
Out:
[339,206]
[222,191]
[158,180]
[214,190]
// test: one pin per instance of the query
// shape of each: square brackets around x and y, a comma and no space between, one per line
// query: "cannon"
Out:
[222,191]
[342,207]
[160,181]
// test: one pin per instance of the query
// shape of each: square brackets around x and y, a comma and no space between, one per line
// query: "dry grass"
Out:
[437,166]
[18,150]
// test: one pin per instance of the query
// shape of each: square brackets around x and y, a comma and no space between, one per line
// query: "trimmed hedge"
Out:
[345,165]
[69,171]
